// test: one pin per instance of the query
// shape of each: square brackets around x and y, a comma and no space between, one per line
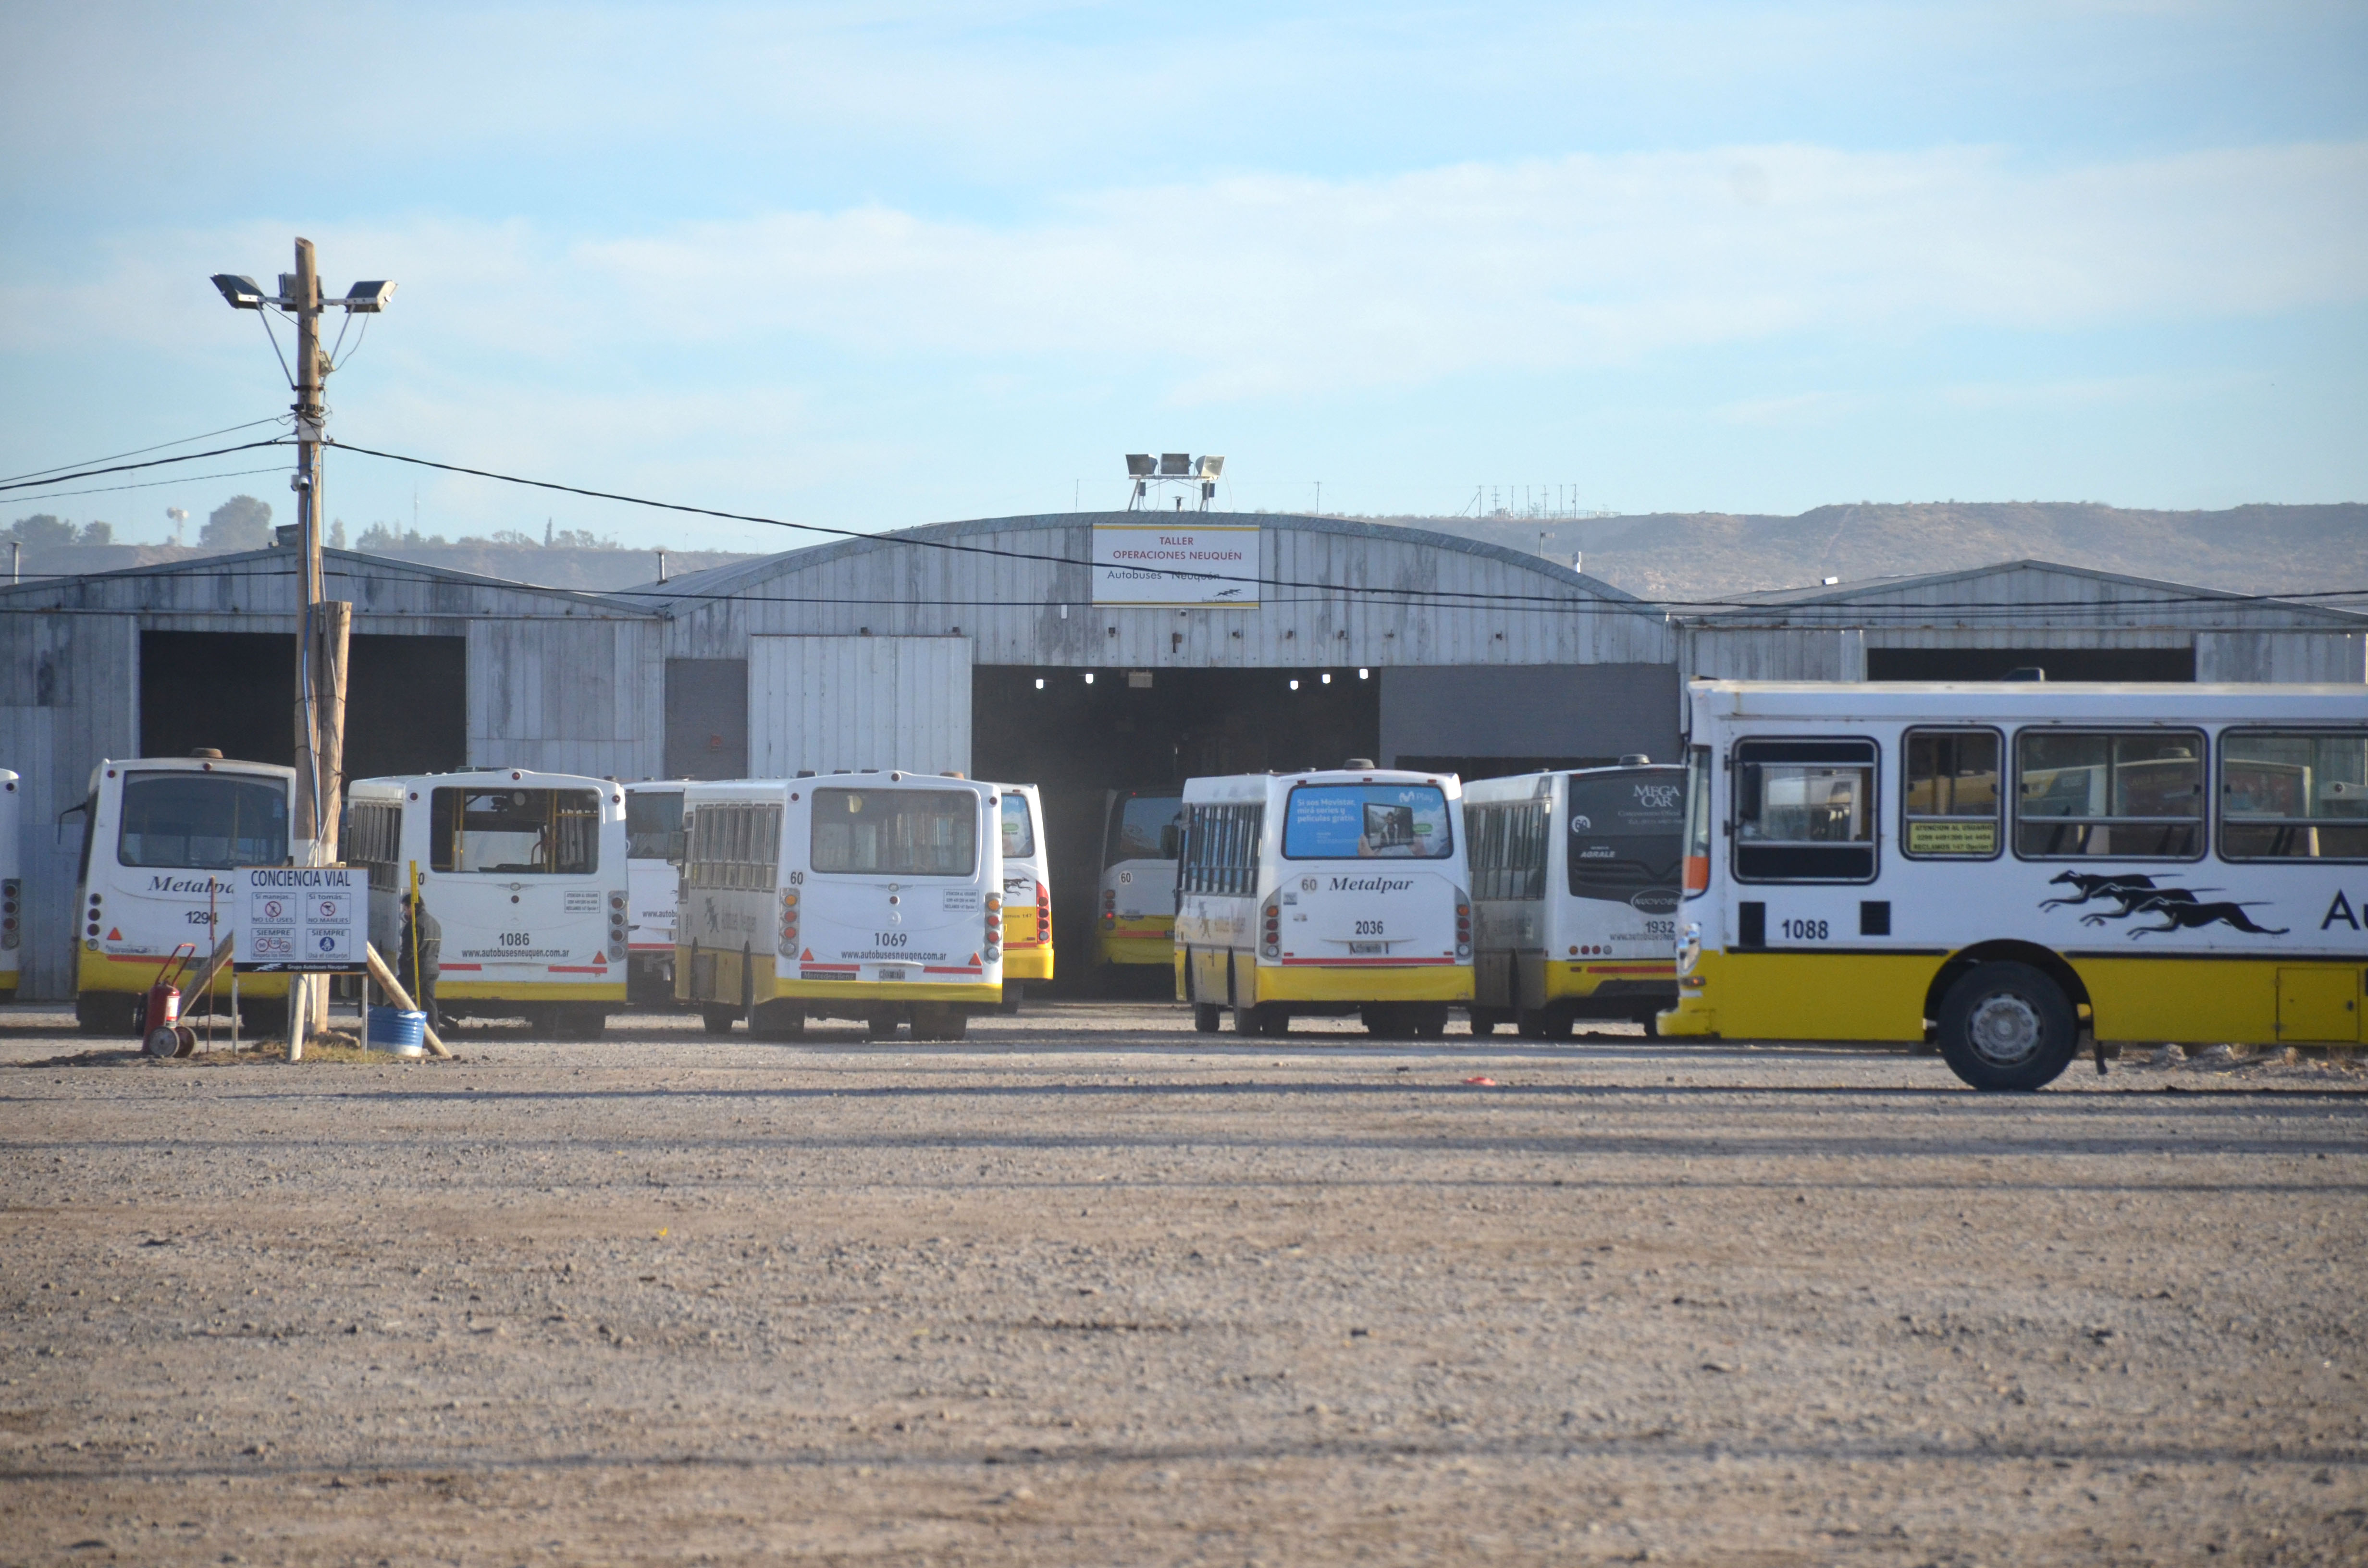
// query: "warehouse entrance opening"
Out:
[1126,730]
[406,700]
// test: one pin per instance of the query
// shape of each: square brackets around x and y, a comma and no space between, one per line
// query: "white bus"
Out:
[1575,879]
[1027,893]
[524,875]
[655,842]
[1324,893]
[2001,867]
[1135,913]
[871,897]
[12,885]
[160,838]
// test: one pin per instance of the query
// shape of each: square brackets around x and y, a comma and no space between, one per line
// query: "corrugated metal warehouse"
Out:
[1286,642]
[2072,622]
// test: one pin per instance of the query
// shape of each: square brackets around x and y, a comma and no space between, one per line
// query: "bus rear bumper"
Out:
[1138,943]
[1028,963]
[1345,983]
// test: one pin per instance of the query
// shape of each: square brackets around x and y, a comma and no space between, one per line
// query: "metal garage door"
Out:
[826,702]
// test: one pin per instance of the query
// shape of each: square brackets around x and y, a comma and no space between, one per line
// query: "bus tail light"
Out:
[1462,923]
[788,923]
[9,892]
[1043,912]
[1270,930]
[1110,909]
[994,926]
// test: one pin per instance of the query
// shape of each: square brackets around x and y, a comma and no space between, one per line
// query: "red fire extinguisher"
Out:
[161,1030]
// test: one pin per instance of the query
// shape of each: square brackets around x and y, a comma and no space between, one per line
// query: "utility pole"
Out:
[324,629]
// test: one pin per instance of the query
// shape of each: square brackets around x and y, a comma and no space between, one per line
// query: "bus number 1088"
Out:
[1803,930]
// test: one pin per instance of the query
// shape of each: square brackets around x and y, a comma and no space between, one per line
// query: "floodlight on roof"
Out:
[1138,464]
[1176,465]
[243,293]
[369,298]
[1211,468]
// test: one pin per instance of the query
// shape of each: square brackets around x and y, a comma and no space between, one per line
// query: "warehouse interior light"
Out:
[1294,686]
[1328,678]
[1090,677]
[1040,683]
[1363,674]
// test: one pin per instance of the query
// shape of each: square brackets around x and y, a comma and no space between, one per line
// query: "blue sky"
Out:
[869,266]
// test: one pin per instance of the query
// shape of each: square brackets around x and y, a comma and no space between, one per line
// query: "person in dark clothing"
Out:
[417,964]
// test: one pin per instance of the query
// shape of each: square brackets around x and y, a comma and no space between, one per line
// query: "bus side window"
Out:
[1805,810]
[2294,795]
[1949,798]
[2127,794]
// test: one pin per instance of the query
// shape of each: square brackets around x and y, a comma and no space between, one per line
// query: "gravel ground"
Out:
[1092,1289]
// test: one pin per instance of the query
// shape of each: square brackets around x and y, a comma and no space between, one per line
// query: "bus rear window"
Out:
[902,832]
[202,822]
[1019,827]
[1363,821]
[654,825]
[1145,827]
[515,832]
[1625,832]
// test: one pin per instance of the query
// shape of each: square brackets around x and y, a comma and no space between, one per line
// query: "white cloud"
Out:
[1272,282]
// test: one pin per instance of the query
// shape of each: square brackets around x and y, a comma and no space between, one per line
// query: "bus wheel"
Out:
[1251,1020]
[1014,993]
[1384,1020]
[779,1020]
[718,1020]
[580,1020]
[1426,1020]
[1207,1017]
[1542,1023]
[2007,1026]
[1651,1023]
[883,1025]
[108,1012]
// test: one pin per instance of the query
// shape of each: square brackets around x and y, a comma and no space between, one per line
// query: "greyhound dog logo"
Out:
[2179,908]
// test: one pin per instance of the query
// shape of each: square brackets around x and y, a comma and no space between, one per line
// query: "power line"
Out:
[204,435]
[126,468]
[145,485]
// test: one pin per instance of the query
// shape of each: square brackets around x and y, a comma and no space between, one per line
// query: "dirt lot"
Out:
[1094,1289]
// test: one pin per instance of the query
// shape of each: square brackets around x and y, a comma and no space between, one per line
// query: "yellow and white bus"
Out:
[871,896]
[2000,867]
[1324,893]
[1135,913]
[525,873]
[161,837]
[655,845]
[1027,893]
[1575,895]
[12,884]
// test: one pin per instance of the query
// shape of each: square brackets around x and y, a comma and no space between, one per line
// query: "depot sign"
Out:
[1175,563]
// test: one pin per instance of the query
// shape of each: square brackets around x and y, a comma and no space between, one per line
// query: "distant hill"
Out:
[1711,555]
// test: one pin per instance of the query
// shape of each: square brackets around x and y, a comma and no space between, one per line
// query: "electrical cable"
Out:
[145,484]
[284,370]
[151,462]
[36,474]
[1553,603]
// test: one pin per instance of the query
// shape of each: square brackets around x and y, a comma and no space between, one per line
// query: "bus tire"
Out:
[580,1020]
[1651,1023]
[1426,1020]
[1251,1020]
[937,1020]
[108,1012]
[718,1020]
[1207,1017]
[2007,1027]
[1543,1023]
[779,1020]
[1384,1020]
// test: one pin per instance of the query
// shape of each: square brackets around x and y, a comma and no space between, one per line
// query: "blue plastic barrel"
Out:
[392,1029]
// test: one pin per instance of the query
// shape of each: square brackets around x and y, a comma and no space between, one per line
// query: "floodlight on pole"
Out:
[243,293]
